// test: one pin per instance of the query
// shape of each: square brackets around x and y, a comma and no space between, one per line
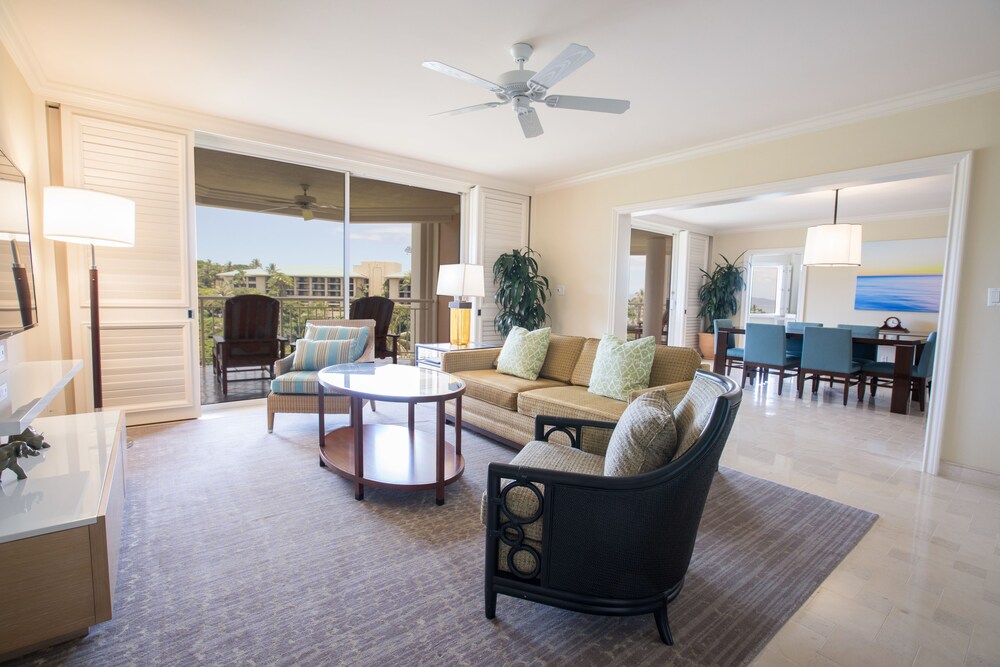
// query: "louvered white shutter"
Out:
[147,333]
[690,257]
[499,224]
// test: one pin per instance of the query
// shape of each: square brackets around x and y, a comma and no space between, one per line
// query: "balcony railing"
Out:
[297,310]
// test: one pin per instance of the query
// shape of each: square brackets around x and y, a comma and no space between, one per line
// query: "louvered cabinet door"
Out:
[499,224]
[149,366]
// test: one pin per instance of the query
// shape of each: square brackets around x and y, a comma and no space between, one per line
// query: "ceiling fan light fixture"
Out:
[833,244]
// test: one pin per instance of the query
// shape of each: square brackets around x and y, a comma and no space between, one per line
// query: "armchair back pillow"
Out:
[523,352]
[339,347]
[645,437]
[621,367]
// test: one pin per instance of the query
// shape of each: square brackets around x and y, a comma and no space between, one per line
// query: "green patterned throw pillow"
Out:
[524,352]
[645,437]
[620,368]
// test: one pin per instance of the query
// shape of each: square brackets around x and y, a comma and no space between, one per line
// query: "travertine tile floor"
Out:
[923,587]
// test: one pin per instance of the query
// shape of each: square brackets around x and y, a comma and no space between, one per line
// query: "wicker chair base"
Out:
[304,404]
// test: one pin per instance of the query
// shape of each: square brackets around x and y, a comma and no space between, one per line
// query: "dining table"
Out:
[907,352]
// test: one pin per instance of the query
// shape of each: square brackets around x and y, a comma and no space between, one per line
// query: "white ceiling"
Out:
[696,72]
[915,197]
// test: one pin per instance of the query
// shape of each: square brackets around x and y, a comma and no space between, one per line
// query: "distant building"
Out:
[380,278]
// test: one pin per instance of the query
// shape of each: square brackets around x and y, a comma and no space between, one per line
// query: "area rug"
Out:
[240,550]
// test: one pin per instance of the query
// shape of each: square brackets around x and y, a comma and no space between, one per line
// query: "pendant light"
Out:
[833,245]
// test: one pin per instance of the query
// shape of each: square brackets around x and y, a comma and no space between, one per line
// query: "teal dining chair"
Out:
[863,353]
[765,350]
[795,344]
[734,355]
[827,353]
[920,377]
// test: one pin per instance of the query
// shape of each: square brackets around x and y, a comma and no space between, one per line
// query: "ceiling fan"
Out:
[521,87]
[305,202]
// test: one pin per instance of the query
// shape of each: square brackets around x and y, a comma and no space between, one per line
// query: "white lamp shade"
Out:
[13,211]
[75,215]
[833,245]
[460,280]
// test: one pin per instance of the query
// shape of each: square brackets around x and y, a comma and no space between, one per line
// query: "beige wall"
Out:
[829,296]
[19,140]
[572,229]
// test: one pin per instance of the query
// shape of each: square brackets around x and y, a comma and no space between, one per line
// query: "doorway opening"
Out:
[649,285]
[316,240]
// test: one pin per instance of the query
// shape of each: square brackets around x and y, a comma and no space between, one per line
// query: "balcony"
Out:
[295,312]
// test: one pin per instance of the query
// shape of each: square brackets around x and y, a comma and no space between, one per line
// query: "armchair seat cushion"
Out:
[498,389]
[296,382]
[521,501]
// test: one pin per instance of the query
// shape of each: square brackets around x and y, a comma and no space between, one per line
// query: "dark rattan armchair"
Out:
[249,337]
[616,546]
[380,309]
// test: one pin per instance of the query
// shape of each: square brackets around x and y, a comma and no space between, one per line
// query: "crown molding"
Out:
[970,87]
[19,50]
[858,220]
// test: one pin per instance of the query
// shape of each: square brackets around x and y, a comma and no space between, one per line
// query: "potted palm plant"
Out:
[521,292]
[719,299]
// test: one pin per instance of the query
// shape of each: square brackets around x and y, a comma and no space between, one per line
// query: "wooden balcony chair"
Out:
[249,338]
[380,309]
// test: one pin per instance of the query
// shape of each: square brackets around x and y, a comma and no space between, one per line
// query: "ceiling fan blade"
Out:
[279,208]
[475,107]
[530,125]
[567,62]
[602,104]
[464,76]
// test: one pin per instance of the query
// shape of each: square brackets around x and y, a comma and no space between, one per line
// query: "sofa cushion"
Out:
[673,364]
[564,351]
[524,352]
[498,389]
[693,411]
[569,401]
[645,437]
[585,364]
[622,366]
[296,382]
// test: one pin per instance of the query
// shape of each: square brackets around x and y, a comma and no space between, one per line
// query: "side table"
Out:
[432,352]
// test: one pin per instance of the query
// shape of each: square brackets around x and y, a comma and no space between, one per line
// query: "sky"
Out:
[238,236]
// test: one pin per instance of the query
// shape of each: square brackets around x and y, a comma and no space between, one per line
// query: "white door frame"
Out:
[959,164]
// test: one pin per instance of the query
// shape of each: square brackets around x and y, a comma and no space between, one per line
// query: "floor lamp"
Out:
[75,215]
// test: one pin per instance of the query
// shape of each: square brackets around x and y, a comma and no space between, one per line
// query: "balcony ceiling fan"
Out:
[305,202]
[521,87]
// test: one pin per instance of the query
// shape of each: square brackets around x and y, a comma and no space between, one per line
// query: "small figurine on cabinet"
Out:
[32,439]
[8,459]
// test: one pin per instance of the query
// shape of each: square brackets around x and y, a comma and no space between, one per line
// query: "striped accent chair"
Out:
[295,390]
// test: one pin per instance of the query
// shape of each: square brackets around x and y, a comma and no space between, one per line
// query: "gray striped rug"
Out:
[240,550]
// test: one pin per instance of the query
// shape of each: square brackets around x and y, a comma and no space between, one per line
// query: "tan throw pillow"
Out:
[621,367]
[645,437]
[524,352]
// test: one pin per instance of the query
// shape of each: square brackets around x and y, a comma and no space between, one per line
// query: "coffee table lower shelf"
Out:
[394,457]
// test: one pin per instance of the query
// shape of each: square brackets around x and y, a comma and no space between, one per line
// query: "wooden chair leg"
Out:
[781,381]
[861,388]
[663,626]
[847,387]
[800,381]
[744,383]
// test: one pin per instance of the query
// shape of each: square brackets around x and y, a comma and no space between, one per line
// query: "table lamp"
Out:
[75,215]
[14,228]
[460,280]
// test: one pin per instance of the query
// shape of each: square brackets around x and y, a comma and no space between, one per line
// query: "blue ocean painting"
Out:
[911,293]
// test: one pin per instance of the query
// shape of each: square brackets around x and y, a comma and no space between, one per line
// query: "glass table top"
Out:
[390,381]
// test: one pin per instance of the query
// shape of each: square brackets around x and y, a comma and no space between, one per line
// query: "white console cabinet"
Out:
[60,529]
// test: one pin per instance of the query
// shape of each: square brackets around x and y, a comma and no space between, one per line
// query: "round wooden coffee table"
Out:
[389,455]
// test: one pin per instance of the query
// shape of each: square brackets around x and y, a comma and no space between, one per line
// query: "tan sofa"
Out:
[504,407]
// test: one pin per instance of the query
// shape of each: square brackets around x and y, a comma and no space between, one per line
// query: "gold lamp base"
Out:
[461,322]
